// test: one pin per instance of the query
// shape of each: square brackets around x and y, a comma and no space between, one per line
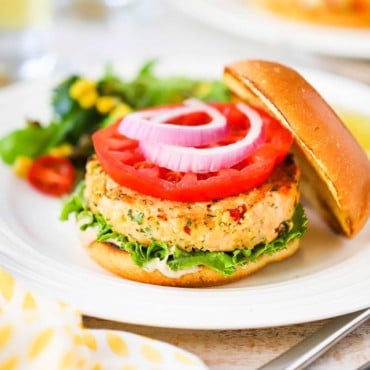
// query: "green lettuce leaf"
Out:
[177,259]
[75,203]
[69,124]
[147,89]
[30,141]
[227,262]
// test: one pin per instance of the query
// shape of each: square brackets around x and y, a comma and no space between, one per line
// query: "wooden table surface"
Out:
[251,348]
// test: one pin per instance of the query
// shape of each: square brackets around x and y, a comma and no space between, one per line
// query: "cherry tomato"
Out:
[52,175]
[122,159]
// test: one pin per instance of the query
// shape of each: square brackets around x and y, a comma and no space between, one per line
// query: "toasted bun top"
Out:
[335,169]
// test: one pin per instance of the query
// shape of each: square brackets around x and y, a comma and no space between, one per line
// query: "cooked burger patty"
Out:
[236,222]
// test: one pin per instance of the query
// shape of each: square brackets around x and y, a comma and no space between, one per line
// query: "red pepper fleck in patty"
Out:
[238,213]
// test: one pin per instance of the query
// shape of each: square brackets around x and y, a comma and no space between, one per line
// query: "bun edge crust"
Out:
[120,263]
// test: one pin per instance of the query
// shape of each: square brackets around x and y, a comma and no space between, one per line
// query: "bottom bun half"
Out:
[120,263]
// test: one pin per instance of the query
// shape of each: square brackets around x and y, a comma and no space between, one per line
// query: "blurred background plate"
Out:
[240,18]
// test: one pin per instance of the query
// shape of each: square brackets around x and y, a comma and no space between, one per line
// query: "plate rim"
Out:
[7,242]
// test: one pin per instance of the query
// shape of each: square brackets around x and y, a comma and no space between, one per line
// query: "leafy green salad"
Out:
[81,106]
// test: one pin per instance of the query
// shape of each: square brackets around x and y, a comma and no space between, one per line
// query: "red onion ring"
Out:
[150,126]
[203,160]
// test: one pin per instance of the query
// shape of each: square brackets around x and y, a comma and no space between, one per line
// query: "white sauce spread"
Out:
[162,267]
[86,236]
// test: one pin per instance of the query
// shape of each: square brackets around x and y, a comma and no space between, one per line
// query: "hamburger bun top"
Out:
[335,169]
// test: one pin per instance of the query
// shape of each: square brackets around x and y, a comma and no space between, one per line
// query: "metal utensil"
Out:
[365,366]
[311,348]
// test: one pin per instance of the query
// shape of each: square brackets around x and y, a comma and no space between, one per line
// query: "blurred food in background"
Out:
[97,9]
[19,14]
[347,13]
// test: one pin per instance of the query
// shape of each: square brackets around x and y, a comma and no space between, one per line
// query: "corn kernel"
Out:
[21,166]
[63,150]
[81,87]
[88,99]
[121,110]
[105,104]
[203,89]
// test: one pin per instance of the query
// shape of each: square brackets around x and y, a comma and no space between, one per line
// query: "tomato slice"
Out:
[122,159]
[52,175]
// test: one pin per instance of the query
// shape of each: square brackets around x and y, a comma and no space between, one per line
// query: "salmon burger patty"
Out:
[236,222]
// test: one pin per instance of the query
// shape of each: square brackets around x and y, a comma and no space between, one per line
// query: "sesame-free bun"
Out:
[120,263]
[324,12]
[335,169]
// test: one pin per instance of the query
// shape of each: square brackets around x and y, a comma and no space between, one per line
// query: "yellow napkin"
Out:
[38,334]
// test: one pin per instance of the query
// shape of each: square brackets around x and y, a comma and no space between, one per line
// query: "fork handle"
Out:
[311,348]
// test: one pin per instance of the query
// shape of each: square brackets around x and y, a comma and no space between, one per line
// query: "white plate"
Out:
[329,276]
[242,19]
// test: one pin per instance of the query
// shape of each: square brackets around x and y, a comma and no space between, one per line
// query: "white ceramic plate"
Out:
[242,19]
[329,276]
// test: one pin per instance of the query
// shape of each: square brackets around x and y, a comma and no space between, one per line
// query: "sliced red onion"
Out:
[202,160]
[150,125]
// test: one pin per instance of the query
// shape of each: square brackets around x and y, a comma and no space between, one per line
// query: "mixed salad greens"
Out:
[81,106]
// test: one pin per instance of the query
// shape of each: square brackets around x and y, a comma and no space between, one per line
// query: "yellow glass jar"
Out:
[21,14]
